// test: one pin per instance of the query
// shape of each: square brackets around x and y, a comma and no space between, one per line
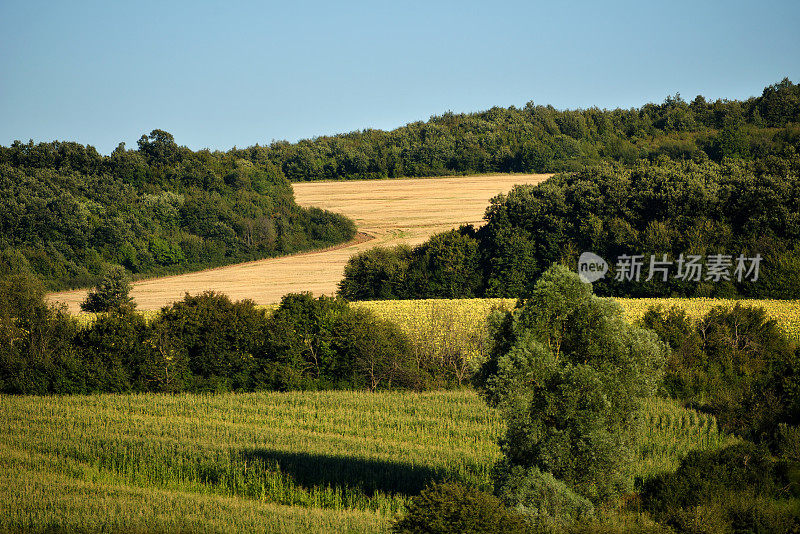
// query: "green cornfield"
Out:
[277,462]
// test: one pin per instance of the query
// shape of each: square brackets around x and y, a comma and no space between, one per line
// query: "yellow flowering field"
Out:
[415,316]
[785,312]
[467,317]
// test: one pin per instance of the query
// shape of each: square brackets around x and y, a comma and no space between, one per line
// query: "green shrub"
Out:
[37,355]
[220,338]
[683,374]
[614,522]
[377,273]
[542,498]
[382,354]
[447,266]
[110,294]
[453,508]
[788,440]
[165,363]
[323,343]
[112,349]
[740,488]
[305,344]
[736,363]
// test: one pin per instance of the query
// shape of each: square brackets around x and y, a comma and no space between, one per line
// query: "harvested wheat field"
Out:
[387,212]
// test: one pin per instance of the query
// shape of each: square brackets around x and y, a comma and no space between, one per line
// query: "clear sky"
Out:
[219,74]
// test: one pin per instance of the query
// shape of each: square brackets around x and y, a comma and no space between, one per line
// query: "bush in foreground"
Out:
[451,508]
[36,351]
[220,338]
[545,501]
[113,350]
[741,488]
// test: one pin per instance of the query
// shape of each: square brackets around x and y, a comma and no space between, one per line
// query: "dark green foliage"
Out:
[702,474]
[323,343]
[201,343]
[667,208]
[453,508]
[698,179]
[305,339]
[66,212]
[113,350]
[685,365]
[377,273]
[751,366]
[543,499]
[383,356]
[539,138]
[736,363]
[780,103]
[618,524]
[165,364]
[741,367]
[37,355]
[567,373]
[651,209]
[220,338]
[446,266]
[738,489]
[112,293]
[788,441]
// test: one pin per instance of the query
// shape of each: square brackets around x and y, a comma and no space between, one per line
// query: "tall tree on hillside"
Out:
[111,293]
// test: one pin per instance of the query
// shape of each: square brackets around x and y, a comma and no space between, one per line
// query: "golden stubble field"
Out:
[388,212]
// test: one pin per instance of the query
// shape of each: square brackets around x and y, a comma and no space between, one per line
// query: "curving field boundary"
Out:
[386,212]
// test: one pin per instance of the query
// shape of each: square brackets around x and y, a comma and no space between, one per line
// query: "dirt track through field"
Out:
[387,212]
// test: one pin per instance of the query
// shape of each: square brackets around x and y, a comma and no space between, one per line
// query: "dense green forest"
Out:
[540,138]
[205,343]
[66,212]
[717,184]
[668,211]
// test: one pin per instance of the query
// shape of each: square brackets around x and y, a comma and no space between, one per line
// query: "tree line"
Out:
[203,343]
[537,138]
[665,213]
[67,213]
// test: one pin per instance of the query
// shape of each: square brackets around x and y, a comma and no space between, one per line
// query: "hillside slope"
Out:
[389,211]
[67,213]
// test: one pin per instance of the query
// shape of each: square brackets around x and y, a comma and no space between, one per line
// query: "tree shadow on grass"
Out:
[347,473]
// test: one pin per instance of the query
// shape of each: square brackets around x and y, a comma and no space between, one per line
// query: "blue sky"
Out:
[220,74]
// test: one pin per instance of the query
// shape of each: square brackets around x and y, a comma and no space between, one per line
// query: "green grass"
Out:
[275,462]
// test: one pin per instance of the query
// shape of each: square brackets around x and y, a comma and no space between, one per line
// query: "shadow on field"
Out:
[343,472]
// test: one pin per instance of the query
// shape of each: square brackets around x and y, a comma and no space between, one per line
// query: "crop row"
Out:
[357,456]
